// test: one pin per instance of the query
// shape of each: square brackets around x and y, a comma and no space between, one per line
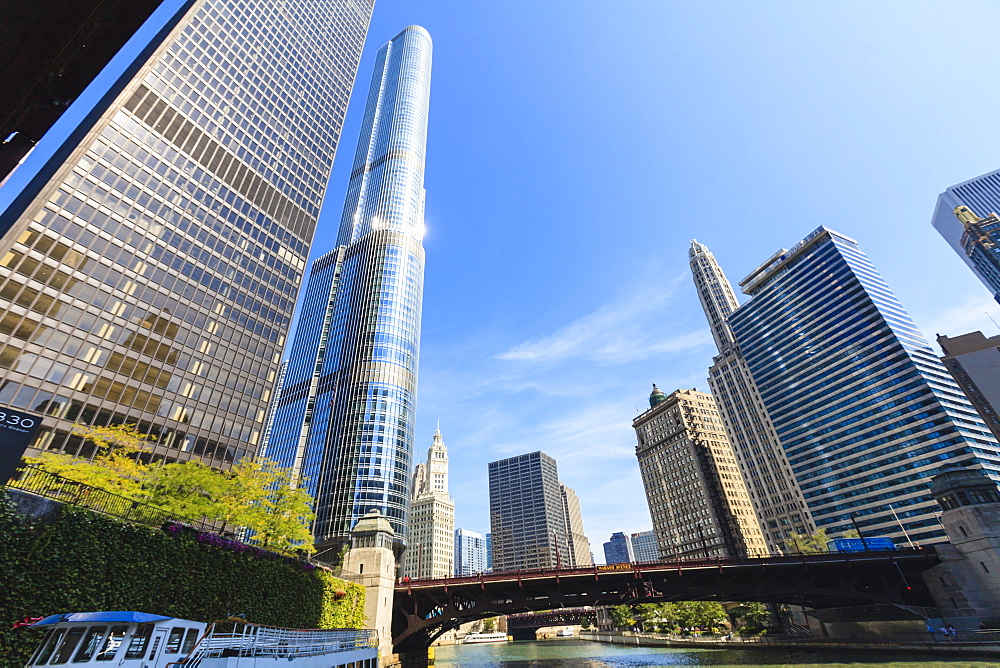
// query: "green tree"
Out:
[259,495]
[657,615]
[813,543]
[490,624]
[585,623]
[701,614]
[621,616]
[751,617]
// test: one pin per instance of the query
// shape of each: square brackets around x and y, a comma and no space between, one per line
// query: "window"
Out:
[50,644]
[189,641]
[69,644]
[174,640]
[95,634]
[140,638]
[112,642]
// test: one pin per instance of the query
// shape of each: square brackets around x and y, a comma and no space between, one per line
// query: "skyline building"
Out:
[777,500]
[578,542]
[962,216]
[527,520]
[470,552]
[345,419]
[974,363]
[865,411]
[644,546]
[149,271]
[430,552]
[697,498]
[618,549]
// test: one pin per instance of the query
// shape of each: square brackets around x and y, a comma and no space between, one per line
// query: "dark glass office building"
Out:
[151,278]
[346,415]
[527,521]
[864,410]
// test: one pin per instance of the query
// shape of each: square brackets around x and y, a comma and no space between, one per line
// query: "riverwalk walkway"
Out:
[986,645]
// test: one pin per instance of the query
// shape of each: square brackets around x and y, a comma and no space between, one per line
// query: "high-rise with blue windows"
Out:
[965,217]
[863,408]
[470,552]
[345,417]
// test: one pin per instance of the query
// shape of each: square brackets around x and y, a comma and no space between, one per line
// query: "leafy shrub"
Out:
[79,561]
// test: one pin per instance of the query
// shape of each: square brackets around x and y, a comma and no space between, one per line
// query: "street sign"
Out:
[859,545]
[17,428]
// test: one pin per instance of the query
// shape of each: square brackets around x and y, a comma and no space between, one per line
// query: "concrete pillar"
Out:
[966,585]
[371,563]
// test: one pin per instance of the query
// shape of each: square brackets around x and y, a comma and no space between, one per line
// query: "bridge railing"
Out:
[986,637]
[709,562]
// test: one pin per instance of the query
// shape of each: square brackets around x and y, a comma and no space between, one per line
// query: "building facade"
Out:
[974,363]
[697,498]
[346,415]
[963,217]
[777,500]
[864,410]
[578,543]
[430,552]
[152,278]
[470,552]
[618,550]
[527,520]
[645,546]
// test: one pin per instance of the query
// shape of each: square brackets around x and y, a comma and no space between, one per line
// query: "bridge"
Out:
[523,625]
[424,609]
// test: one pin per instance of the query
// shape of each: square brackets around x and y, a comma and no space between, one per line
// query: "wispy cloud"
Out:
[962,318]
[615,333]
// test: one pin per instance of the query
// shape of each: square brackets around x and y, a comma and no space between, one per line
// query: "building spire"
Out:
[715,293]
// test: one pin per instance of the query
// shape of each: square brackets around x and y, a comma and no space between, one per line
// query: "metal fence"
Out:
[985,637]
[58,488]
[229,639]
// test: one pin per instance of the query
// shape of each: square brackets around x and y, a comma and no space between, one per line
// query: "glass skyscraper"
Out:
[470,552]
[151,277]
[963,216]
[863,408]
[527,520]
[345,418]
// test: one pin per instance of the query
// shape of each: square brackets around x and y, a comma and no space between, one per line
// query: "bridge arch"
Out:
[424,609]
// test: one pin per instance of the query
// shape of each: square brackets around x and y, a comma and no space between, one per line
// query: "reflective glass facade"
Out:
[470,552]
[152,279]
[865,411]
[346,414]
[982,196]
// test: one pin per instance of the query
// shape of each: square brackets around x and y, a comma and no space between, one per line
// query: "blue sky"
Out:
[576,147]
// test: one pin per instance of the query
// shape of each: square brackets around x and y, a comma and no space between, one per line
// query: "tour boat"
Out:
[496,636]
[142,640]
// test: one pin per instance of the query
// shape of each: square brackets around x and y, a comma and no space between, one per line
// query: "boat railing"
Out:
[235,639]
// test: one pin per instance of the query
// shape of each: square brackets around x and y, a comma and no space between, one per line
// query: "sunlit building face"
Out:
[153,278]
[345,419]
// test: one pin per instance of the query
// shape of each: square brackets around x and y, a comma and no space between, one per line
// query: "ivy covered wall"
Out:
[76,560]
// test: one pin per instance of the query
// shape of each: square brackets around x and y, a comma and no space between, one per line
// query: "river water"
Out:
[574,653]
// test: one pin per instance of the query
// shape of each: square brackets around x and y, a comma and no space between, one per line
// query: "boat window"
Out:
[68,645]
[174,640]
[112,642]
[91,641]
[189,640]
[53,640]
[41,646]
[140,638]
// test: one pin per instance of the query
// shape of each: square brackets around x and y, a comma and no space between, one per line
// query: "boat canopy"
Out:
[120,616]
